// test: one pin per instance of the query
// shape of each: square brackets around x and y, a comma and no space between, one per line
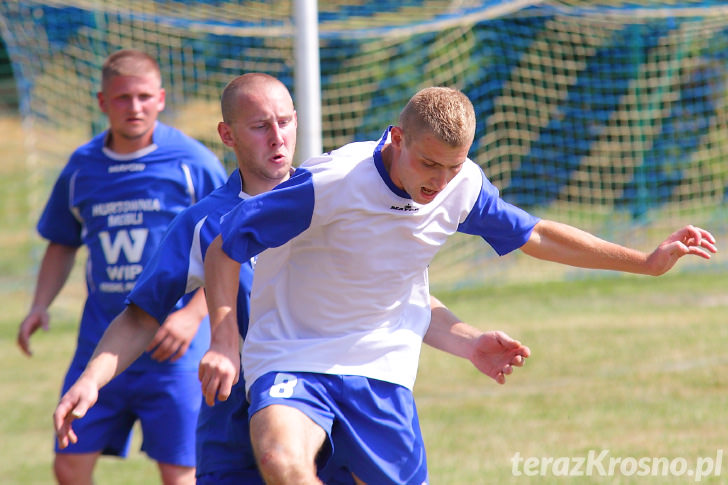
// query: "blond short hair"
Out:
[129,62]
[444,112]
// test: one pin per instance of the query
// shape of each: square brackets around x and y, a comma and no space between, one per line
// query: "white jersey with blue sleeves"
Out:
[119,206]
[344,289]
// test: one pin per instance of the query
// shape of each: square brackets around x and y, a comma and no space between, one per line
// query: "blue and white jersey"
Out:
[119,206]
[344,289]
[177,266]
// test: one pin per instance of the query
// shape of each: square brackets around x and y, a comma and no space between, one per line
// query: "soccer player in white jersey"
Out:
[117,195]
[259,124]
[339,301]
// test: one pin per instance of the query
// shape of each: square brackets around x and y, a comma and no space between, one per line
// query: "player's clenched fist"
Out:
[219,370]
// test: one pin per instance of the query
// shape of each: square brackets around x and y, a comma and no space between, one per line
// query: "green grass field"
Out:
[634,365]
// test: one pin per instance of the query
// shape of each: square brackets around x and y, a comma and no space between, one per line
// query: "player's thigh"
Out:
[284,427]
[291,413]
[167,405]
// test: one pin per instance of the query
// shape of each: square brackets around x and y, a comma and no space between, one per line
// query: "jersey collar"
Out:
[379,163]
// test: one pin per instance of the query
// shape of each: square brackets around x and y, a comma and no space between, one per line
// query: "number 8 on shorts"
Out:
[283,385]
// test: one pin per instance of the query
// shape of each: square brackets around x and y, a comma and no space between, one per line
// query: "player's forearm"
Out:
[220,365]
[225,337]
[221,285]
[122,343]
[448,333]
[196,309]
[54,270]
[561,243]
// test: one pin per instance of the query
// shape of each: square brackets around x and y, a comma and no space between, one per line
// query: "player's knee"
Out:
[176,475]
[280,466]
[71,470]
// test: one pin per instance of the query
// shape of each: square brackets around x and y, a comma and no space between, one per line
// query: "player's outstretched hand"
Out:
[496,354]
[219,370]
[689,240]
[73,405]
[37,318]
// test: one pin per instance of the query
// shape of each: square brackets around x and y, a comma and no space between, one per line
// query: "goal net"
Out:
[607,115]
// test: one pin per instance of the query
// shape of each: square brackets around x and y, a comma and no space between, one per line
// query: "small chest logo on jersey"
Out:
[127,167]
[405,208]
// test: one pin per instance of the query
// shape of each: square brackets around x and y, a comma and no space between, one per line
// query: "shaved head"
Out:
[245,85]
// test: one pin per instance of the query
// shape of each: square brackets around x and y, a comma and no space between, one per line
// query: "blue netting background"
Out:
[608,115]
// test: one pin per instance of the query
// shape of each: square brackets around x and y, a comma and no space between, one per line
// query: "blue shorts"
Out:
[230,477]
[372,425]
[252,477]
[166,404]
[224,452]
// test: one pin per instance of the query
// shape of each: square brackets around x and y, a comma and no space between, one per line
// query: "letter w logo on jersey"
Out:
[131,242]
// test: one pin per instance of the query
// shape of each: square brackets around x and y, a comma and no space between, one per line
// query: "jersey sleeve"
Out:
[57,222]
[502,225]
[269,219]
[164,279]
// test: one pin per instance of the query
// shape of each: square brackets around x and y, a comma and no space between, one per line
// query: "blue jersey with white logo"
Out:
[177,267]
[342,287]
[120,206]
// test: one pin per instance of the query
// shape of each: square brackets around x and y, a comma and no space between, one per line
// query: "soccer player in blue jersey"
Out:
[259,124]
[117,195]
[339,304]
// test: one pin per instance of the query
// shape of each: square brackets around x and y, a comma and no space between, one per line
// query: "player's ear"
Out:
[162,100]
[396,136]
[102,102]
[223,129]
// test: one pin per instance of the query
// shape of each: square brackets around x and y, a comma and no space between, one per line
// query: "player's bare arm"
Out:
[561,243]
[122,343]
[492,353]
[176,333]
[220,366]
[54,269]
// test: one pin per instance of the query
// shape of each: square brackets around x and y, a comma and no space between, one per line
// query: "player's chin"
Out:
[132,131]
[279,172]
